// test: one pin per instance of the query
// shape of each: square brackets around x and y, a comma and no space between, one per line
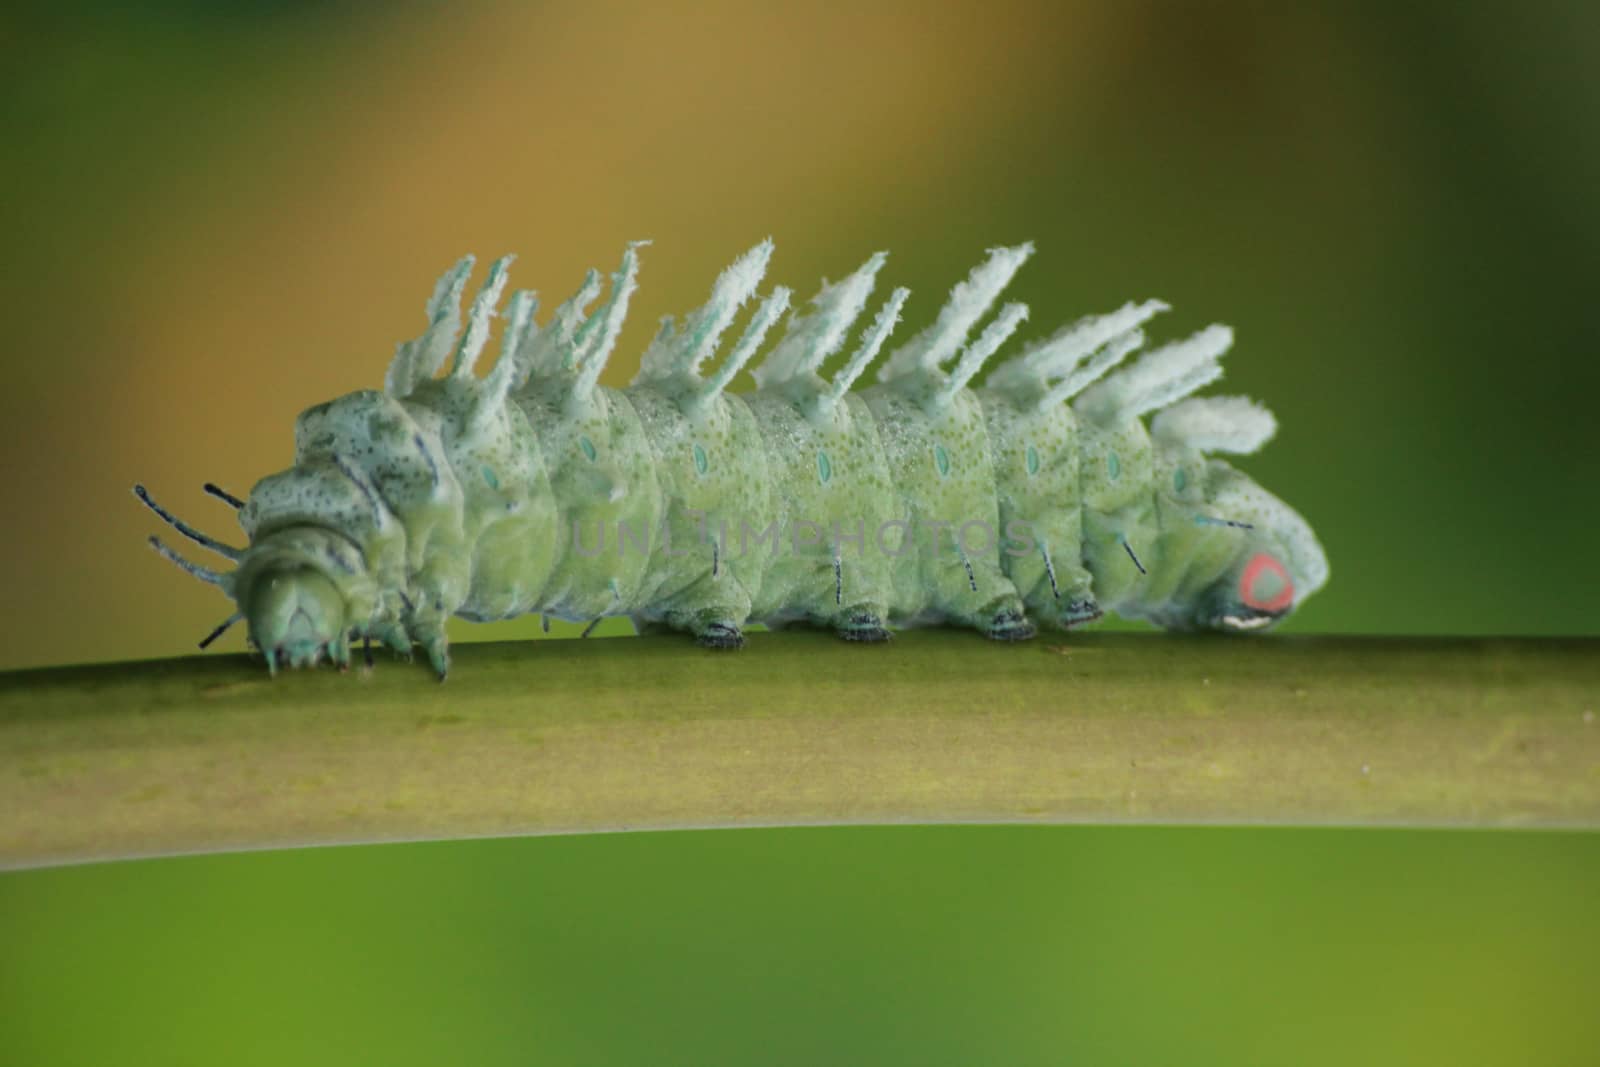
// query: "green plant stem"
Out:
[209,753]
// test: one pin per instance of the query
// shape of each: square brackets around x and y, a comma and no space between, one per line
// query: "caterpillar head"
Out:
[297,601]
[302,590]
[295,616]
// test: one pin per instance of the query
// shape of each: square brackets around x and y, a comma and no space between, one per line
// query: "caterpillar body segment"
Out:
[1038,499]
[838,491]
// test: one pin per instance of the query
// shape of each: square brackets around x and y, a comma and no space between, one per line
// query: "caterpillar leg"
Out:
[1080,611]
[712,627]
[722,634]
[437,647]
[425,623]
[863,587]
[1060,590]
[1008,621]
[985,599]
[713,610]
[862,623]
[393,636]
[713,631]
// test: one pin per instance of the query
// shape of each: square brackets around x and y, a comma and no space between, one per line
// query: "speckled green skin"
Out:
[1085,489]
[1127,502]
[700,515]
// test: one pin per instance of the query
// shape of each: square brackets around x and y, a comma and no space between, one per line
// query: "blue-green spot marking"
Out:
[941,459]
[587,446]
[700,461]
[824,468]
[1179,480]
[1033,460]
[489,479]
[1113,466]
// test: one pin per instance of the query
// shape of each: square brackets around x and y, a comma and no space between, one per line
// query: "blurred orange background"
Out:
[218,217]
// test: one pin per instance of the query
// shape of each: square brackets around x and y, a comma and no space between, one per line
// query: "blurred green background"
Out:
[216,215]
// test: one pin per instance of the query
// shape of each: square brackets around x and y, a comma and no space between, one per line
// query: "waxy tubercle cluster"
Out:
[1039,498]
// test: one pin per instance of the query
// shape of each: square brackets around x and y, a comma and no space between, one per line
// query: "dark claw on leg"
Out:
[439,657]
[721,635]
[864,627]
[1010,626]
[1081,613]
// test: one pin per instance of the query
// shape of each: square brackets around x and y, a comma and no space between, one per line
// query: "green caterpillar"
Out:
[1040,497]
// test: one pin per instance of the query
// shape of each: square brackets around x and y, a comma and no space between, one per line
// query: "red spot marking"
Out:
[1262,564]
